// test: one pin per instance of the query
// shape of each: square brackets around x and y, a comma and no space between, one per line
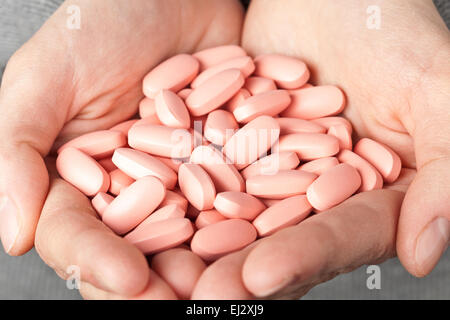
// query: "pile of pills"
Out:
[227,149]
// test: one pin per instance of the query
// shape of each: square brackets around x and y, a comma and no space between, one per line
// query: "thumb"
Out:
[31,117]
[424,225]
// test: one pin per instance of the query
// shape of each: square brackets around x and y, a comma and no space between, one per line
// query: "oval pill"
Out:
[272,164]
[134,204]
[287,212]
[287,72]
[383,158]
[295,125]
[101,201]
[171,110]
[183,94]
[214,92]
[328,122]
[107,164]
[257,85]
[237,99]
[208,217]
[333,186]
[342,134]
[175,198]
[281,185]
[196,186]
[309,146]
[147,108]
[173,74]
[238,205]
[173,164]
[82,171]
[124,126]
[213,56]
[171,211]
[220,126]
[319,166]
[119,181]
[221,238]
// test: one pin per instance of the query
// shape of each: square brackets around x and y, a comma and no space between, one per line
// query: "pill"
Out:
[295,125]
[371,179]
[281,185]
[223,173]
[196,186]
[119,181]
[173,164]
[147,120]
[101,201]
[214,92]
[220,126]
[287,212]
[175,198]
[244,64]
[315,102]
[213,56]
[124,126]
[268,103]
[82,171]
[270,202]
[287,72]
[173,74]
[97,144]
[343,135]
[383,158]
[328,122]
[257,85]
[161,235]
[319,166]
[333,186]
[208,217]
[147,108]
[134,204]
[237,99]
[238,205]
[309,146]
[137,164]
[161,140]
[183,94]
[272,164]
[171,211]
[107,164]
[180,269]
[171,110]
[221,238]
[252,141]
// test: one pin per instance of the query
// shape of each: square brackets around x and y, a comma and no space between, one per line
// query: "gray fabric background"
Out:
[27,277]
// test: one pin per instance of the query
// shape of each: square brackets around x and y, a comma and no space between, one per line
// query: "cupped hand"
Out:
[396,79]
[65,82]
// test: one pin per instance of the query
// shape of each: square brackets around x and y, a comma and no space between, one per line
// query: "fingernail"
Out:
[9,223]
[432,243]
[274,288]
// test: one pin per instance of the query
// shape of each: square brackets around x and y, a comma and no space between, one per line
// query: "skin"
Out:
[400,102]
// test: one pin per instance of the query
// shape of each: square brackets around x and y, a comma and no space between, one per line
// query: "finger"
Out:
[359,231]
[424,225]
[69,234]
[156,289]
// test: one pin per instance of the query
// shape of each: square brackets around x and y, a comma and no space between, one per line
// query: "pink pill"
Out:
[171,110]
[134,204]
[171,211]
[124,126]
[220,126]
[183,94]
[97,144]
[119,181]
[316,102]
[256,85]
[223,173]
[238,205]
[147,108]
[328,122]
[319,166]
[237,99]
[244,64]
[173,164]
[161,235]
[333,186]
[137,164]
[197,186]
[82,171]
[208,217]
[175,198]
[252,141]
[295,125]
[214,92]
[107,164]
[287,72]
[173,74]
[343,135]
[272,164]
[268,103]
[371,179]
[101,201]
[213,56]
[310,146]
[270,202]
[283,214]
[147,120]
[221,238]
[283,184]
[383,158]
[161,140]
